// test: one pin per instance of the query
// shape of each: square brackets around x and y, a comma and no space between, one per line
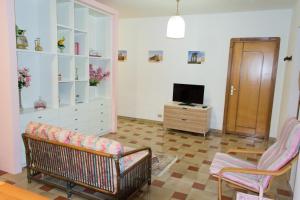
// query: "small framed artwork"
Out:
[155,56]
[122,55]
[196,57]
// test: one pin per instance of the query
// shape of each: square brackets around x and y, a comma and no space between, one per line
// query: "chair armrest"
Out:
[246,151]
[136,151]
[257,171]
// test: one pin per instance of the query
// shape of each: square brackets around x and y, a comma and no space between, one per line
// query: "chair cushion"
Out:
[283,151]
[222,160]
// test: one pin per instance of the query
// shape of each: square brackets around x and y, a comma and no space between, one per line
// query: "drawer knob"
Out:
[76,119]
[183,119]
[76,109]
[76,129]
[40,117]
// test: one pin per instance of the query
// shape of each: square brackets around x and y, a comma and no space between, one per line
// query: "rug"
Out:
[161,163]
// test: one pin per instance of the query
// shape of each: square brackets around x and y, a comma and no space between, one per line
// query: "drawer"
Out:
[187,126]
[46,116]
[175,111]
[185,118]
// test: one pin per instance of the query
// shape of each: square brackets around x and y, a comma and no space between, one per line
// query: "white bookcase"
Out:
[61,78]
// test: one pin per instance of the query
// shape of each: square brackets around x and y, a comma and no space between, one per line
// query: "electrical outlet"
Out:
[159,115]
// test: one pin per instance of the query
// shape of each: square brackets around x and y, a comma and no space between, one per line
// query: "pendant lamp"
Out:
[176,26]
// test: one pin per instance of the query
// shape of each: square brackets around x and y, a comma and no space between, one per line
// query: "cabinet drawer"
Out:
[185,112]
[46,116]
[186,126]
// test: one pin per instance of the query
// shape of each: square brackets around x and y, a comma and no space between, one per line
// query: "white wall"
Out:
[144,87]
[291,89]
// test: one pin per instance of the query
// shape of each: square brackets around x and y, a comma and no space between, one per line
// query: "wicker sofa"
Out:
[74,161]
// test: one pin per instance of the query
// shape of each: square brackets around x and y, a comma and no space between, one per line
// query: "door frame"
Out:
[274,74]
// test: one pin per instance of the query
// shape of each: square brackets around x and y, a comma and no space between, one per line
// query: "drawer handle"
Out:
[76,129]
[40,117]
[101,113]
[76,119]
[183,119]
[184,108]
[76,109]
[102,104]
[101,120]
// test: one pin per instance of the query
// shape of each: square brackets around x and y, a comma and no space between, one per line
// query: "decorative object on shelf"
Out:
[61,44]
[176,25]
[97,75]
[94,53]
[59,77]
[37,44]
[40,104]
[155,56]
[196,57]
[122,55]
[77,48]
[76,74]
[22,42]
[24,79]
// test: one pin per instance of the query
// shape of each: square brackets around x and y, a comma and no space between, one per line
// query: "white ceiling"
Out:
[149,8]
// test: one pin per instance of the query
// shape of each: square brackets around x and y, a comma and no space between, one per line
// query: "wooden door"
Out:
[250,86]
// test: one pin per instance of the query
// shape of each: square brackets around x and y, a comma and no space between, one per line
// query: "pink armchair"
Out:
[275,161]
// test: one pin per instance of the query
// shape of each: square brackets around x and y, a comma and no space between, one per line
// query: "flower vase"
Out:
[93,92]
[20,100]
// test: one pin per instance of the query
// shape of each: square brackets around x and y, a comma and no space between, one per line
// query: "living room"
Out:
[142,70]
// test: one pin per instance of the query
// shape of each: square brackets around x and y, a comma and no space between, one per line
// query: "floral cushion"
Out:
[32,128]
[89,142]
[76,139]
[109,146]
[63,136]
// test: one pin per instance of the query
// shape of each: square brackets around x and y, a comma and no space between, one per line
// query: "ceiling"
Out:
[151,8]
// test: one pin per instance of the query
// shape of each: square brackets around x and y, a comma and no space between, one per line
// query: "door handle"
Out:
[232,89]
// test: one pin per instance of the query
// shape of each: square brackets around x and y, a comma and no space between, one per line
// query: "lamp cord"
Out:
[177,12]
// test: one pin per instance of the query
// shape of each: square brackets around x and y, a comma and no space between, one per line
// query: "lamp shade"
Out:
[176,27]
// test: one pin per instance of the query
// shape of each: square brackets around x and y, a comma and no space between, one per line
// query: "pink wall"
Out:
[10,137]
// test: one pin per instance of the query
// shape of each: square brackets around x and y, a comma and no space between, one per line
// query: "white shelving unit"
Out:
[61,78]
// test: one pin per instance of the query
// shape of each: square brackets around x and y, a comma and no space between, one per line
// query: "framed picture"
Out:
[122,55]
[155,56]
[196,57]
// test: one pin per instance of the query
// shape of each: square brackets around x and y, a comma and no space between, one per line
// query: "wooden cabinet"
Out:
[186,118]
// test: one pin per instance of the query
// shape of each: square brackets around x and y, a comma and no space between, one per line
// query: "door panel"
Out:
[252,80]
[249,88]
[237,51]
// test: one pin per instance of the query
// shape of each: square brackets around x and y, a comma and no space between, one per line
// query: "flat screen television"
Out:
[188,94]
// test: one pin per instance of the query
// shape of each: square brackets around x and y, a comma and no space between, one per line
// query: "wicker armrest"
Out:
[136,151]
[246,151]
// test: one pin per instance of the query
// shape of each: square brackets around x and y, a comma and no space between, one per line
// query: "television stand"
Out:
[187,104]
[194,119]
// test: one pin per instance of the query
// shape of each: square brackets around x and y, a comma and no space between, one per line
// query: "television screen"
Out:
[188,93]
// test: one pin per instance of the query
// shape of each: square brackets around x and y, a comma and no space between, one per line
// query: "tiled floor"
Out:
[188,178]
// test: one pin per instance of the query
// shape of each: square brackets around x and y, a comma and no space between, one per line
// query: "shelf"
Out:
[81,80]
[99,58]
[64,27]
[35,52]
[81,56]
[66,81]
[65,55]
[32,110]
[79,31]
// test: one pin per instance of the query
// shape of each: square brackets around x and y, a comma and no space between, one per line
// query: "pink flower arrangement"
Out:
[97,75]
[24,77]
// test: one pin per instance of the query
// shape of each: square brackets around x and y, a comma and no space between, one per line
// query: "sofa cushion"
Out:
[32,128]
[63,136]
[76,139]
[109,146]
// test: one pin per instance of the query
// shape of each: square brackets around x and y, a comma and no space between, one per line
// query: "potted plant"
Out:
[24,79]
[96,76]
